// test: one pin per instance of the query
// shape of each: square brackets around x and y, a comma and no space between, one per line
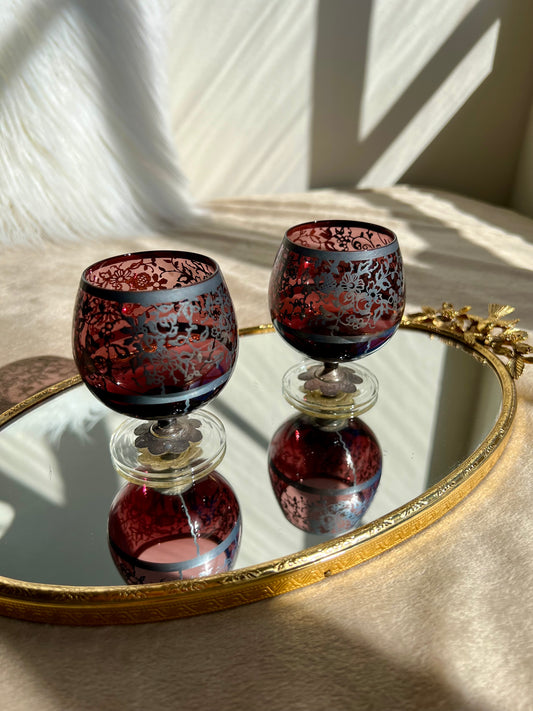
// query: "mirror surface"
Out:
[437,403]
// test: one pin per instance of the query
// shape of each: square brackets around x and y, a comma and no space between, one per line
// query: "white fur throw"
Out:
[85,149]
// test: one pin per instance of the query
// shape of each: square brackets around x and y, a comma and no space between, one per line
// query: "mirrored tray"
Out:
[444,412]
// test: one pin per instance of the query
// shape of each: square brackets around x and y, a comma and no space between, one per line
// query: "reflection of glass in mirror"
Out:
[336,294]
[160,535]
[155,337]
[438,404]
[324,473]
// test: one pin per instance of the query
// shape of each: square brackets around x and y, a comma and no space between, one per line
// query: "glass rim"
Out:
[88,285]
[342,223]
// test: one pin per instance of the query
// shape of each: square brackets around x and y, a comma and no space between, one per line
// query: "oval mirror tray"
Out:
[444,412]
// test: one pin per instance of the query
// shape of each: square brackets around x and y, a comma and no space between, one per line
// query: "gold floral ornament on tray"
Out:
[493,331]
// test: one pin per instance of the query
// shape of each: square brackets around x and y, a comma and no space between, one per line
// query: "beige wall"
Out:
[281,95]
[522,197]
[477,153]
[240,91]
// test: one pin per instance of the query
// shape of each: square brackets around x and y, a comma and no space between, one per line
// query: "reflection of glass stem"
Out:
[329,425]
[331,379]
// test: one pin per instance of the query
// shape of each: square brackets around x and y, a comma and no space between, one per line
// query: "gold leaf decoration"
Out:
[492,331]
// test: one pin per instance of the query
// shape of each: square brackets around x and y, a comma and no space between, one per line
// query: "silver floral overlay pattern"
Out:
[356,298]
[175,345]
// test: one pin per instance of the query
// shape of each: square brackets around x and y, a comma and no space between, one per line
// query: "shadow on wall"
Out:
[437,130]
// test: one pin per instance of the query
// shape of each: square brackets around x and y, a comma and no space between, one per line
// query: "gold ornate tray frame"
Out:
[487,338]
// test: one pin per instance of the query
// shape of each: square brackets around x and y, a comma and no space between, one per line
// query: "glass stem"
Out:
[329,368]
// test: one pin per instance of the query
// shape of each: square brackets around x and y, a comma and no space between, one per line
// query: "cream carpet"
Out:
[444,621]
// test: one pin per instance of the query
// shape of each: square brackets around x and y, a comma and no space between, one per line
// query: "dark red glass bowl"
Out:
[158,536]
[154,333]
[337,289]
[324,476]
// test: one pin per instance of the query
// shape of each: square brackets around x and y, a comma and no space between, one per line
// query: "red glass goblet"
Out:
[155,337]
[336,294]
[324,473]
[160,535]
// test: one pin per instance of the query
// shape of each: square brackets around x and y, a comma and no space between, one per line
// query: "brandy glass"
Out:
[154,338]
[336,295]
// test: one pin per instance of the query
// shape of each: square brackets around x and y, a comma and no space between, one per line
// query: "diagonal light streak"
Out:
[435,113]
[404,37]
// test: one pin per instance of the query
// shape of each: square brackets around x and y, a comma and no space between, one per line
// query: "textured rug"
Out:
[443,621]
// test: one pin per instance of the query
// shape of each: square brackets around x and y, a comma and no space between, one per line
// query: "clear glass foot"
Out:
[330,390]
[168,454]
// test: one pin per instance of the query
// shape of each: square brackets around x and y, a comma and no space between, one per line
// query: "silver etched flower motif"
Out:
[174,438]
[331,383]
